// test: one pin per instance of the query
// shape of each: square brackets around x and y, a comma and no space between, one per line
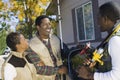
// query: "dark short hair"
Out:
[38,20]
[110,10]
[12,40]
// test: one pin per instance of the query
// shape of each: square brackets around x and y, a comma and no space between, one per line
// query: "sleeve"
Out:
[114,51]
[46,70]
[9,72]
[43,70]
[65,51]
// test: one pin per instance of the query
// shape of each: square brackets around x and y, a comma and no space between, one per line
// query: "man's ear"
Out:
[17,46]
[109,21]
[106,20]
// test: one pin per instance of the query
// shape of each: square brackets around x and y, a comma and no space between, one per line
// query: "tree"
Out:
[1,5]
[27,11]
[4,29]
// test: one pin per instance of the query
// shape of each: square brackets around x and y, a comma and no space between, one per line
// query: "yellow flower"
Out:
[33,17]
[1,4]
[37,7]
[44,2]
[21,16]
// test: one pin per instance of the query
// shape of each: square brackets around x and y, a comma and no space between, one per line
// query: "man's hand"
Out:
[89,63]
[62,70]
[41,63]
[84,73]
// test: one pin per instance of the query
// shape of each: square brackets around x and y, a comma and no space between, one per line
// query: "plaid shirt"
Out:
[48,45]
[43,70]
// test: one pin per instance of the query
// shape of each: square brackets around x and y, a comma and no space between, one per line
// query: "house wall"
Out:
[67,19]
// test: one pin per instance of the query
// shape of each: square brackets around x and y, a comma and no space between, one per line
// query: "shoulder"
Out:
[16,61]
[55,37]
[9,66]
[9,70]
[115,39]
[33,39]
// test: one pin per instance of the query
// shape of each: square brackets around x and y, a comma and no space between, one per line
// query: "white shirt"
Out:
[114,51]
[1,63]
[9,72]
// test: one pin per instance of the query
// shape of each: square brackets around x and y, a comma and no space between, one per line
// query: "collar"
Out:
[17,54]
[115,25]
[117,22]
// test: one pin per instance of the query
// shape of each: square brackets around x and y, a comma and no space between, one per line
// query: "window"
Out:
[84,22]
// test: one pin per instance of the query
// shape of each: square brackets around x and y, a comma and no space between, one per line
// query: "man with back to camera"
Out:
[109,20]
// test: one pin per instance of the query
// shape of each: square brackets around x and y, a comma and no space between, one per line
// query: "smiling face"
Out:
[44,28]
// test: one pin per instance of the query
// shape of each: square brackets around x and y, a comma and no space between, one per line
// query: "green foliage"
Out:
[2,41]
[77,60]
[4,29]
[27,11]
[27,30]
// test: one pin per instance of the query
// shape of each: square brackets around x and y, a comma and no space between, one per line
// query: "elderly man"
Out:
[16,66]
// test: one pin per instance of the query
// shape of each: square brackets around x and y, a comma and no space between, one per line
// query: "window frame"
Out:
[85,36]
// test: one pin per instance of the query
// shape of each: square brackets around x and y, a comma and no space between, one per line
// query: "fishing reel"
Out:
[92,57]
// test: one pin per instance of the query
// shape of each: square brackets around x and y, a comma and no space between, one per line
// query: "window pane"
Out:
[89,27]
[84,21]
[80,23]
